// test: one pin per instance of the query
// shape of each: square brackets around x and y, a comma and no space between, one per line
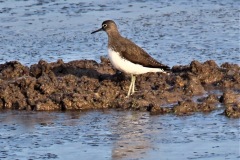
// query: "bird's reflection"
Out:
[134,136]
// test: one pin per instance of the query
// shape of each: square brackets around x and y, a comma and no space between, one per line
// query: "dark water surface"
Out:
[174,32]
[117,135]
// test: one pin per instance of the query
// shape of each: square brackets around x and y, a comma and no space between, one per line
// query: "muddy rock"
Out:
[86,84]
[230,97]
[12,70]
[208,72]
[185,107]
[39,69]
[231,77]
[76,101]
[231,100]
[12,97]
[1,104]
[105,67]
[193,86]
[232,110]
[207,104]
[46,105]
[155,109]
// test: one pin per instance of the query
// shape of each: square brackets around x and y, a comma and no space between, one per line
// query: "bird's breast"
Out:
[115,58]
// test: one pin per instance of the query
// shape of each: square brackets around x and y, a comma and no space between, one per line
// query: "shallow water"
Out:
[117,135]
[174,32]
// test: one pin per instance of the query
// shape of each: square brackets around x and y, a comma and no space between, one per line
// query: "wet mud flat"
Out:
[86,84]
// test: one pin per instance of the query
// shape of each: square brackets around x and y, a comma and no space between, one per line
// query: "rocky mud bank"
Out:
[86,84]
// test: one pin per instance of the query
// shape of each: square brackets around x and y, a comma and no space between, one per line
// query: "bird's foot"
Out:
[130,94]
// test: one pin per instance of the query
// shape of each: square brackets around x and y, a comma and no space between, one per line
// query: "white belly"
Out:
[128,67]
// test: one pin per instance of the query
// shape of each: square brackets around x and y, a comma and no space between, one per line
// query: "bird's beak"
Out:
[97,30]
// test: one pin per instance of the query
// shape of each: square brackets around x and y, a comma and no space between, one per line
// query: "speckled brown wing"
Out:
[135,54]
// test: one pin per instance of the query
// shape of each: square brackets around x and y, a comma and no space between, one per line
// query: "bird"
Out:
[128,57]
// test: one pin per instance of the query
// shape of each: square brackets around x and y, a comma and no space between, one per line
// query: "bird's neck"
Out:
[113,34]
[114,39]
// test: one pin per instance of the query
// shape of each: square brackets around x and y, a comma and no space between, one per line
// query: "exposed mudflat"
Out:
[86,84]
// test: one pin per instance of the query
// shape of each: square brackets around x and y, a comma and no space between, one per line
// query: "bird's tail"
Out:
[166,69]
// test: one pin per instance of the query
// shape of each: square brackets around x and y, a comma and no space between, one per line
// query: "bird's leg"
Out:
[131,86]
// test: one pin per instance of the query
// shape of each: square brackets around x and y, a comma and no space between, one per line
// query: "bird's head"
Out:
[107,26]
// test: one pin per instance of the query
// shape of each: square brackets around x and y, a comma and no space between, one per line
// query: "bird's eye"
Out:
[104,25]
